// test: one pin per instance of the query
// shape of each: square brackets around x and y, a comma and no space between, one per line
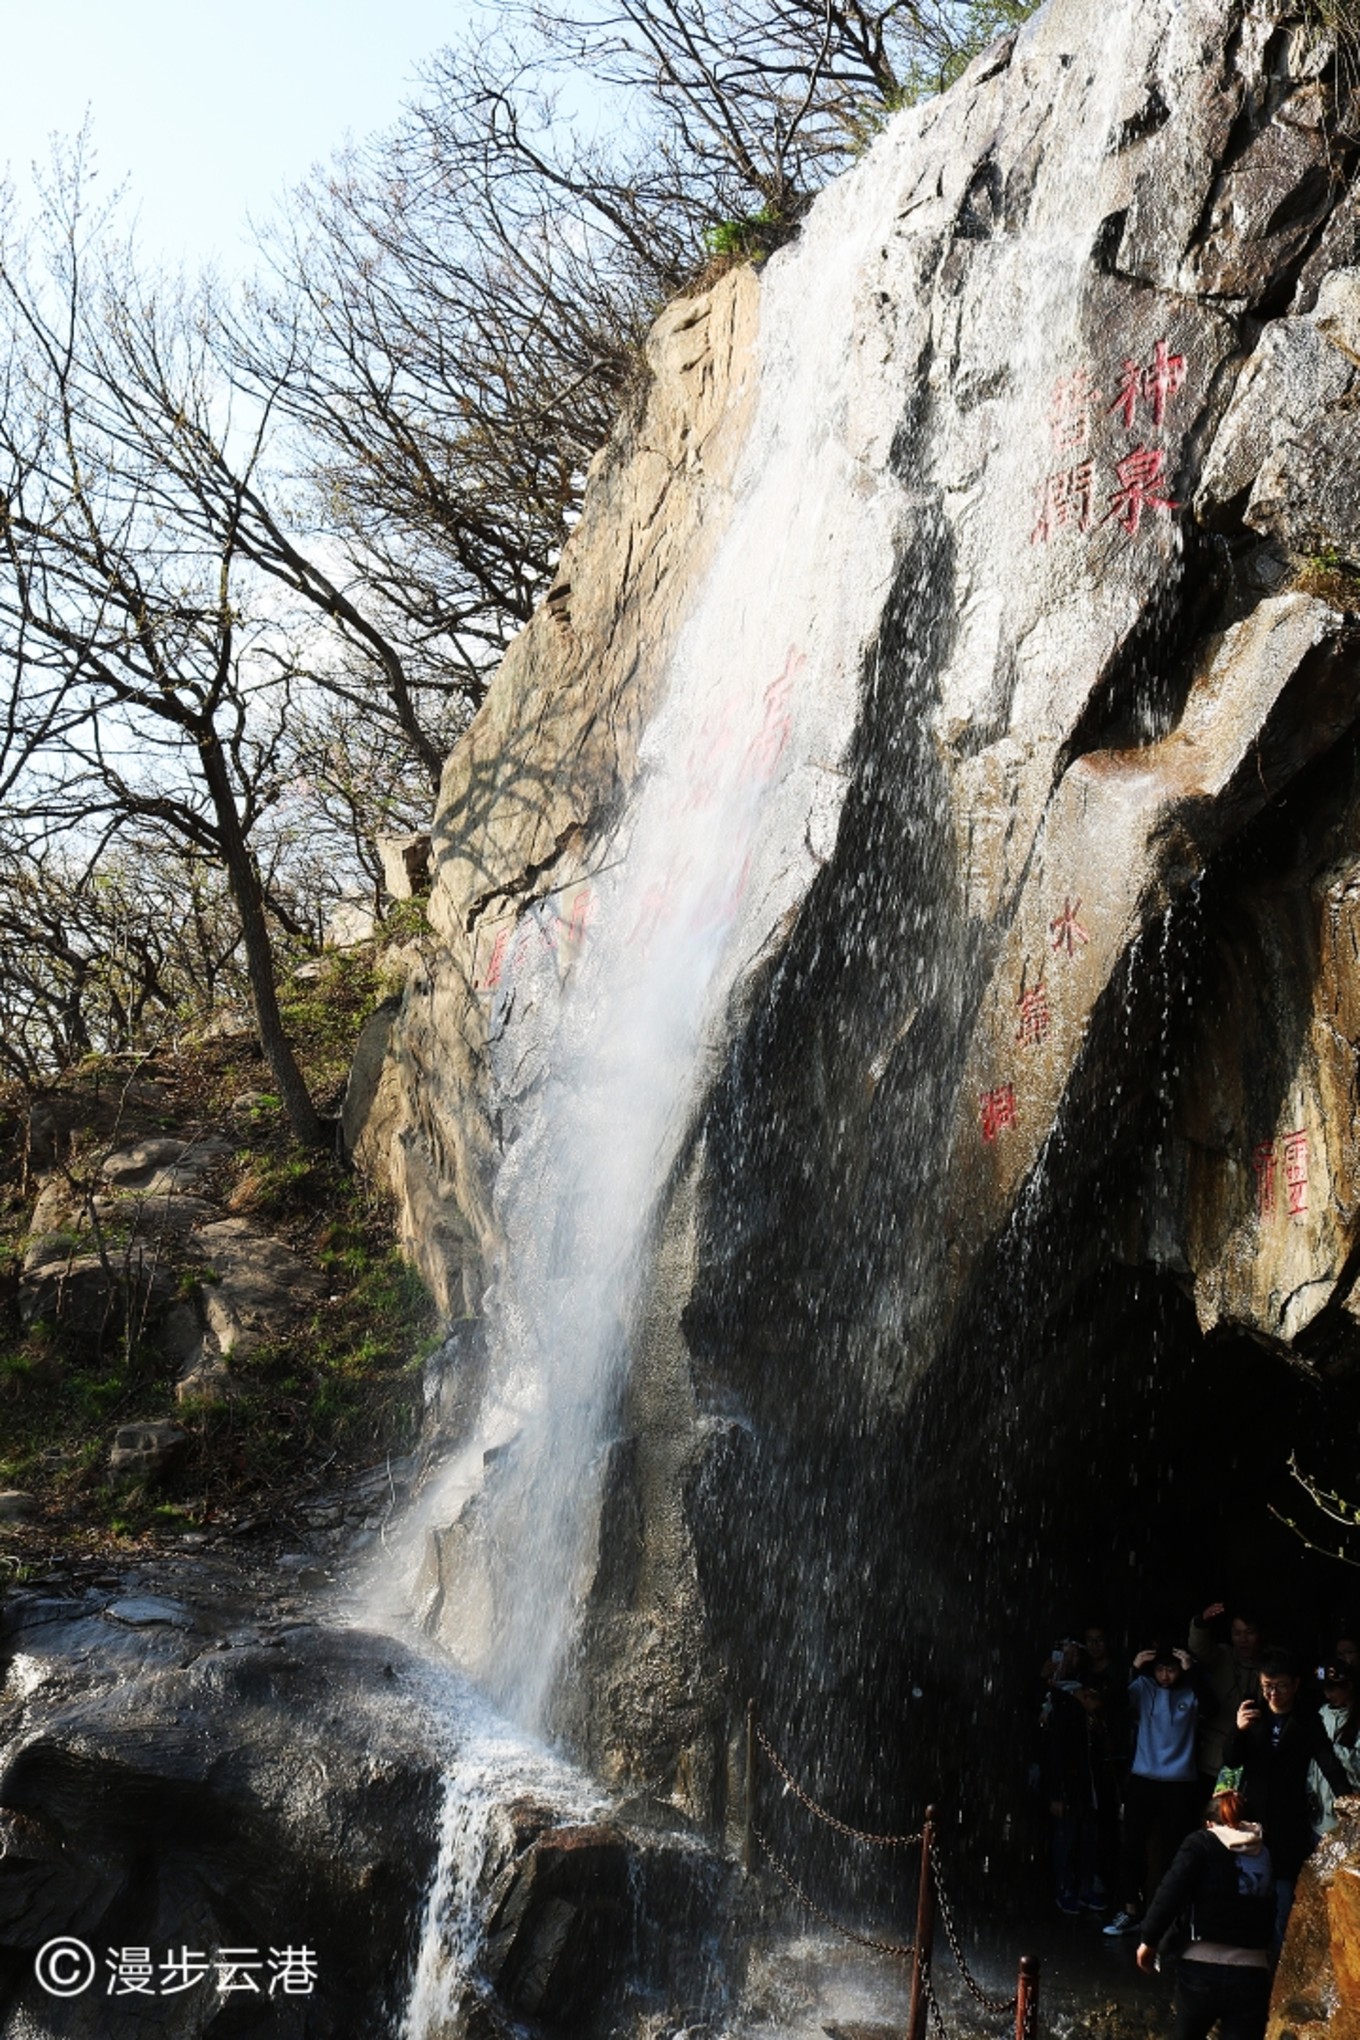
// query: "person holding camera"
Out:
[1275,1741]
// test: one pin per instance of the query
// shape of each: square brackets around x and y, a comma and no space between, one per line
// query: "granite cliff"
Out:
[1019,498]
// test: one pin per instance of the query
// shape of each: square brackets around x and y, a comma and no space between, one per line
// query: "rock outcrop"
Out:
[174,1779]
[1317,1985]
[1000,538]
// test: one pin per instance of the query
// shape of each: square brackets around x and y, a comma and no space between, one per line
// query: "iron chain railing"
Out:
[820,1812]
[932,1893]
[902,1949]
[998,2007]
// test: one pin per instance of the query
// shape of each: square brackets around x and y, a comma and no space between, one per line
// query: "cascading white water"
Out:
[738,778]
[494,1764]
[737,804]
[737,797]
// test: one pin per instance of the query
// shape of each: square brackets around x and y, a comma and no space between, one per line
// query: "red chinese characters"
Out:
[1068,495]
[579,919]
[705,779]
[767,746]
[1068,498]
[997,1110]
[1070,410]
[1034,1018]
[1065,932]
[495,963]
[1163,377]
[543,922]
[1266,1157]
[1140,476]
[656,908]
[1263,1166]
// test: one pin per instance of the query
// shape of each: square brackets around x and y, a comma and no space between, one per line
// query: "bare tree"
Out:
[110,957]
[255,567]
[159,622]
[454,316]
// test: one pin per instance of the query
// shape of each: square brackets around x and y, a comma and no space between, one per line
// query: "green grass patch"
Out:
[1331,578]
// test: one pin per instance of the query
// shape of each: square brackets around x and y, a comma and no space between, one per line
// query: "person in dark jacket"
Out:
[1223,1882]
[1274,1742]
[1082,1787]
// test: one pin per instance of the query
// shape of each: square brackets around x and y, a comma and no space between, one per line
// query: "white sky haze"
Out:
[208,110]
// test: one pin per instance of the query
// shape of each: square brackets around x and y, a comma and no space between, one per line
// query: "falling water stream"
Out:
[736,805]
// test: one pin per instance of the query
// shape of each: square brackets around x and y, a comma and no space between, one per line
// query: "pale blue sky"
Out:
[210,110]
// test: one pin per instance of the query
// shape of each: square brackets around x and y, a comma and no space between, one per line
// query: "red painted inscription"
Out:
[1067,496]
[1065,930]
[1140,475]
[997,1110]
[1034,1019]
[1266,1157]
[1263,1163]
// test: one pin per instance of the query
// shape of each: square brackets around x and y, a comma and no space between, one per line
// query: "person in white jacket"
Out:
[1340,1715]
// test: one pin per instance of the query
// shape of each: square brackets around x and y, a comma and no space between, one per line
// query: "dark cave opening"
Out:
[1128,1474]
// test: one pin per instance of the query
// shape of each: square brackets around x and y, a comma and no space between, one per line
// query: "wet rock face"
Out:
[169,1785]
[1041,979]
[585,1924]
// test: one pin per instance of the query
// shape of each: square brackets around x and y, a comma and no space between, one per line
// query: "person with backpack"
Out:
[1222,1886]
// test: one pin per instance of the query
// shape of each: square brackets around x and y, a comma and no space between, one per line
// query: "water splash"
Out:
[737,806]
[493,1764]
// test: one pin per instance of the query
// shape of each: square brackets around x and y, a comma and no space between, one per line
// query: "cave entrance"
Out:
[1150,1475]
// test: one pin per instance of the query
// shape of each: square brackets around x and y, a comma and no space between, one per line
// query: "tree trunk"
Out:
[246,891]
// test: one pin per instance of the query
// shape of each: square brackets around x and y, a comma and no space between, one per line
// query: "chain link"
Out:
[928,1985]
[998,2007]
[842,1827]
[901,1950]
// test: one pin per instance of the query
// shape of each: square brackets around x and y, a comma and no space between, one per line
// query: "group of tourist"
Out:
[1186,1791]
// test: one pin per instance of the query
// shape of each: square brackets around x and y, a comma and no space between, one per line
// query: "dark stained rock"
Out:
[253,1797]
[147,1451]
[580,1918]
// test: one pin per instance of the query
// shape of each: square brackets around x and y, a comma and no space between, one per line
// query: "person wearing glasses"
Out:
[1274,1742]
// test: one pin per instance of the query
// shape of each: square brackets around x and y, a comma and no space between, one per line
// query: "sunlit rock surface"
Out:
[1317,1985]
[964,626]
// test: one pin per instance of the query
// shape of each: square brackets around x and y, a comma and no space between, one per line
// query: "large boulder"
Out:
[254,1287]
[1317,1984]
[232,1795]
[149,1451]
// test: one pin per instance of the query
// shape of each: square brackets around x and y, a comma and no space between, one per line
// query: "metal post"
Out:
[925,1933]
[749,1797]
[1027,1999]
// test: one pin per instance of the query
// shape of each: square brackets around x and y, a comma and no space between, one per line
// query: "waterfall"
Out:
[599,1065]
[491,1765]
[736,803]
